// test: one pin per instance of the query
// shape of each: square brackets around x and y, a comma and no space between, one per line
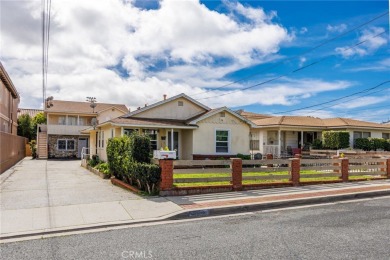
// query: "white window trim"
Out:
[66,145]
[229,140]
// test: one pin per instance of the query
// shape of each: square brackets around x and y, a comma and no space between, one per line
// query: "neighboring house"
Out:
[9,101]
[29,111]
[62,137]
[13,147]
[280,134]
[180,123]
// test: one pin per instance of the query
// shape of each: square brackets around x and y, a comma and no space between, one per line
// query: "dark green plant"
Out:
[377,143]
[33,147]
[243,156]
[362,143]
[317,144]
[35,121]
[140,147]
[335,139]
[24,126]
[119,156]
[94,161]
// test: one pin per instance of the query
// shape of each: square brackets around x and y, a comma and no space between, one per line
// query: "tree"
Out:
[37,120]
[24,126]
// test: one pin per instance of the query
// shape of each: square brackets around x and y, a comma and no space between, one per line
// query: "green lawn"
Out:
[213,175]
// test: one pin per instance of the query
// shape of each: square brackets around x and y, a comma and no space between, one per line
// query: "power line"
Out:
[337,99]
[293,71]
[297,56]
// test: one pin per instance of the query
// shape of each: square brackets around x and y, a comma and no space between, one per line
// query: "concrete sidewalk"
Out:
[40,196]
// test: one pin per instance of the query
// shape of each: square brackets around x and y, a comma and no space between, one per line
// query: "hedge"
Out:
[368,144]
[128,160]
[335,139]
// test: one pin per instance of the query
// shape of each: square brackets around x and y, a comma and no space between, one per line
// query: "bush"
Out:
[33,147]
[378,143]
[140,147]
[103,168]
[128,160]
[243,156]
[387,145]
[317,144]
[119,156]
[362,143]
[335,139]
[94,161]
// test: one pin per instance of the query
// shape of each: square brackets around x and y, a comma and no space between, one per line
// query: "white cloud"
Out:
[371,39]
[178,47]
[361,102]
[303,30]
[337,28]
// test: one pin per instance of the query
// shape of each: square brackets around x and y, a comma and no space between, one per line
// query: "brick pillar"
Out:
[236,164]
[297,155]
[344,162]
[295,170]
[270,156]
[336,164]
[166,174]
[388,168]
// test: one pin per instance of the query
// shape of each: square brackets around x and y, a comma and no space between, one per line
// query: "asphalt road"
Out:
[358,230]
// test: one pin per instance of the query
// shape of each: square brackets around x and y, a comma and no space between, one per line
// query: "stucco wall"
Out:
[187,144]
[171,110]
[109,114]
[204,136]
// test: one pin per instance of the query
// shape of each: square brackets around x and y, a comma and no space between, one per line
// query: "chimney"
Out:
[165,96]
[146,105]
[138,108]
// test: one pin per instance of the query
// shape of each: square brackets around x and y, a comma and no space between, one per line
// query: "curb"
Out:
[209,212]
[227,210]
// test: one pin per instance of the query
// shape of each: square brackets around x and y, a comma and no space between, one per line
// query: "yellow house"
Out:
[61,137]
[180,123]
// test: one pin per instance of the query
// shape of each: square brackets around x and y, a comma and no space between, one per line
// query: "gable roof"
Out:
[162,102]
[212,112]
[62,106]
[251,115]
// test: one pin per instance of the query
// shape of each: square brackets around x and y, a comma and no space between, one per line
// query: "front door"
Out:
[175,142]
[83,142]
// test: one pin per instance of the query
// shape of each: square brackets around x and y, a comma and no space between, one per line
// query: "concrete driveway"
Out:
[44,195]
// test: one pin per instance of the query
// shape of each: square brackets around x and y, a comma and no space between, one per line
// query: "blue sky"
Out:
[133,52]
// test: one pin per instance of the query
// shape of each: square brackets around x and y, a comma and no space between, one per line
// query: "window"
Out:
[66,144]
[357,135]
[62,120]
[254,145]
[82,121]
[386,135]
[222,114]
[129,131]
[153,137]
[72,120]
[112,133]
[222,141]
[180,103]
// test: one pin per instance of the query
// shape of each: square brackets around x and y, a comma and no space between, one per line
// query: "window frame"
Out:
[66,144]
[153,142]
[388,136]
[228,141]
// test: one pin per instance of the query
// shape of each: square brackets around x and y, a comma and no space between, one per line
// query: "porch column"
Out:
[172,139]
[122,131]
[78,119]
[301,140]
[279,142]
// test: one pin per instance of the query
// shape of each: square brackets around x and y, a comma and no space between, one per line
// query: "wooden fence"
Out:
[237,174]
[13,149]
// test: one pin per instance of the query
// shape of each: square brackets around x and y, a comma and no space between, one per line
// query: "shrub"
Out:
[377,143]
[140,147]
[94,161]
[244,156]
[103,168]
[335,139]
[387,145]
[119,156]
[362,143]
[317,144]
[33,147]
[128,160]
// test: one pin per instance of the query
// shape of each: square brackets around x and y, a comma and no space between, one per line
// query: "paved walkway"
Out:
[41,195]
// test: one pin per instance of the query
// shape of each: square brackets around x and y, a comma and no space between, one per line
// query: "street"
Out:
[355,230]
